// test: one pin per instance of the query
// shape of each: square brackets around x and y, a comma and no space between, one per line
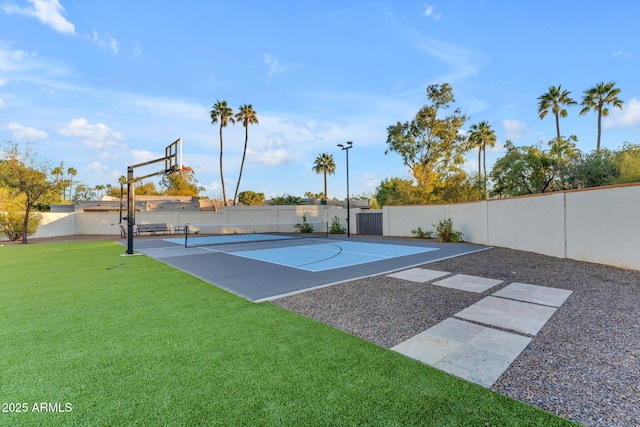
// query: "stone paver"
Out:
[514,315]
[553,297]
[420,275]
[480,353]
[464,282]
[473,352]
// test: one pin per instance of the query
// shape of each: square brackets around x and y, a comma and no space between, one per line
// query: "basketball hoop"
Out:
[172,163]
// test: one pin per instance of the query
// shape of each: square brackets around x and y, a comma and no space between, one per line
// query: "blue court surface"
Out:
[325,256]
[263,267]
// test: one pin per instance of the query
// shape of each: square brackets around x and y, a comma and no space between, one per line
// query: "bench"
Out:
[152,229]
[180,229]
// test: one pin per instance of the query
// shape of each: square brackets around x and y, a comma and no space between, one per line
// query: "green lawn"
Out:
[117,340]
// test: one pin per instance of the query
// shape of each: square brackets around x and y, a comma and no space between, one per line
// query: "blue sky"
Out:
[103,84]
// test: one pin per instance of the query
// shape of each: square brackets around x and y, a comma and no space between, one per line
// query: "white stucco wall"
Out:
[471,219]
[603,226]
[534,223]
[400,220]
[598,225]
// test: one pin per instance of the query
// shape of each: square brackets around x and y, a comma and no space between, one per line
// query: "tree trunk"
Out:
[326,196]
[25,223]
[244,153]
[484,165]
[224,193]
[599,127]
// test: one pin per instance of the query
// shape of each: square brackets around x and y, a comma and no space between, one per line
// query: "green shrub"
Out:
[421,234]
[446,232]
[250,198]
[12,224]
[286,199]
[336,227]
[304,227]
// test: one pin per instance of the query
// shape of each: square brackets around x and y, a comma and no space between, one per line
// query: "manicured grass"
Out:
[130,341]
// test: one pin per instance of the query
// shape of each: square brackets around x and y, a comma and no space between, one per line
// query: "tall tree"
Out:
[532,170]
[221,112]
[183,183]
[58,173]
[324,164]
[72,172]
[597,98]
[431,144]
[480,136]
[100,189]
[247,116]
[554,100]
[27,178]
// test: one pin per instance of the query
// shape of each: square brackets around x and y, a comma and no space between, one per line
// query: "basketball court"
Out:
[260,267]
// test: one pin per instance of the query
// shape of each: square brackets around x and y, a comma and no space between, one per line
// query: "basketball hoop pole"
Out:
[173,163]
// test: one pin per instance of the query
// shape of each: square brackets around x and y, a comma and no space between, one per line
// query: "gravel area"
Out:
[584,364]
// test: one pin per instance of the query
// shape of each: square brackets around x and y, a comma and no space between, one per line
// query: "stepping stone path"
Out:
[466,345]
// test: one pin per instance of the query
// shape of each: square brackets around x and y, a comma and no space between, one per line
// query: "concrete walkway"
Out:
[467,345]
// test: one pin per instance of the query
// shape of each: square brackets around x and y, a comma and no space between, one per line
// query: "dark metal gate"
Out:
[369,223]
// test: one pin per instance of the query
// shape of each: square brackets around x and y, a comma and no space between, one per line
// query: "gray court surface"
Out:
[266,270]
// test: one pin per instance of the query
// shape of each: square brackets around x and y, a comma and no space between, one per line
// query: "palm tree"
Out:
[324,164]
[553,101]
[596,99]
[58,171]
[247,116]
[71,172]
[224,114]
[480,136]
[100,189]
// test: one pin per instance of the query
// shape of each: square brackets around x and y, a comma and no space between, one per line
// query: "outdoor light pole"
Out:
[346,149]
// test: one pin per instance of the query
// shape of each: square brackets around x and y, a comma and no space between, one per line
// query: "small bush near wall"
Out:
[419,233]
[336,227]
[12,224]
[446,232]
[304,227]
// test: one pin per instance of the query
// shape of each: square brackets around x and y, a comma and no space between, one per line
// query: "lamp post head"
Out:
[349,145]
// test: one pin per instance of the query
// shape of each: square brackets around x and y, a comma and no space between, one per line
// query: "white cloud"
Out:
[274,64]
[169,108]
[3,81]
[140,156]
[49,12]
[214,188]
[368,181]
[106,41]
[12,60]
[2,103]
[431,13]
[26,133]
[628,116]
[275,152]
[620,53]
[92,135]
[271,157]
[513,129]
[100,171]
[137,50]
[464,63]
